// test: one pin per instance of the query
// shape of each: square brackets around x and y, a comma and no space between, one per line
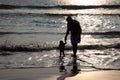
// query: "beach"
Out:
[54,74]
[97,75]
[29,74]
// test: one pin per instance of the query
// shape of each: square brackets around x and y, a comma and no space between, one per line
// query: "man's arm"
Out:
[67,32]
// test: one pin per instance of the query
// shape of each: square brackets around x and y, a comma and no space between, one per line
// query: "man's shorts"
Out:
[75,39]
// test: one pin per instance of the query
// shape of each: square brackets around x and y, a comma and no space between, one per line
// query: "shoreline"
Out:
[54,74]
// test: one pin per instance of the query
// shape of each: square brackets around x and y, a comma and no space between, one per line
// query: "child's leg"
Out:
[60,53]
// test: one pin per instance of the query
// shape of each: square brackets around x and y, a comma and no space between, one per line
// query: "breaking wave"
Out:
[3,6]
[8,46]
[48,47]
[84,33]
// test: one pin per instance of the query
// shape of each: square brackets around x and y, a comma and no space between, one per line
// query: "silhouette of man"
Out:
[73,26]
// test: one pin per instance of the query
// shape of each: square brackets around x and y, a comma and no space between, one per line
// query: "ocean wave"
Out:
[91,68]
[59,33]
[23,14]
[52,13]
[103,33]
[22,33]
[4,6]
[48,47]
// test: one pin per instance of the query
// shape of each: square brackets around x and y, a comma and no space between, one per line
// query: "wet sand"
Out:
[97,75]
[54,74]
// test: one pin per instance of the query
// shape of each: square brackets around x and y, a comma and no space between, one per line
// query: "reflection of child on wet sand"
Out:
[61,48]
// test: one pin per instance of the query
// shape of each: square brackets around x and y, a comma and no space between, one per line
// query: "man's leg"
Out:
[74,45]
[75,66]
[63,54]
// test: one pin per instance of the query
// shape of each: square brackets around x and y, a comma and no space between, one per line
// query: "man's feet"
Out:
[74,56]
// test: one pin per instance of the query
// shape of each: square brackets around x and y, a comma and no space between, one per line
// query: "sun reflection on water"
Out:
[87,2]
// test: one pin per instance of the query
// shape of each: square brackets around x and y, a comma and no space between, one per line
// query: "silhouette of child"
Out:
[61,48]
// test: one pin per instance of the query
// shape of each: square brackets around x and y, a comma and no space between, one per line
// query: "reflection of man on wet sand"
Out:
[73,26]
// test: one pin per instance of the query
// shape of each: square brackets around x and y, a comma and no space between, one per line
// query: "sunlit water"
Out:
[44,27]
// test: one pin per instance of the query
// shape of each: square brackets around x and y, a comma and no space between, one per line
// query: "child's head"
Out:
[61,42]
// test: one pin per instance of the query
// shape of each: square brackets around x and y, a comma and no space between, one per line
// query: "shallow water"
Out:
[97,59]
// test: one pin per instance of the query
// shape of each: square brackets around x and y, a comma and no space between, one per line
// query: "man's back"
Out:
[74,27]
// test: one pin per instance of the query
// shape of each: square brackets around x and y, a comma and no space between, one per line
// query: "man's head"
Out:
[69,19]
